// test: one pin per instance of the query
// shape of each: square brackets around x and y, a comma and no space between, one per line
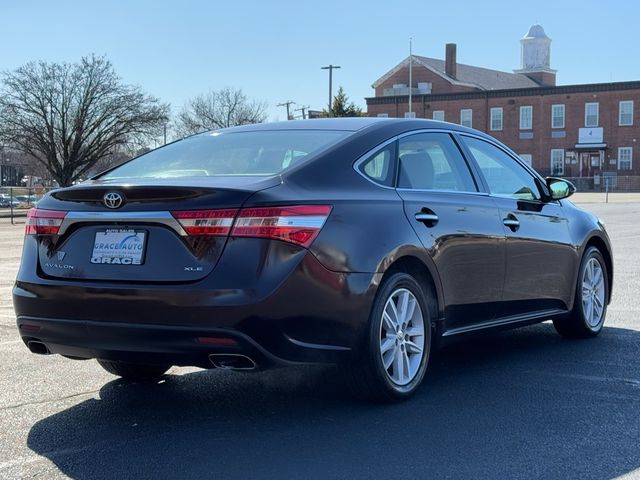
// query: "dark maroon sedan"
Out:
[361,242]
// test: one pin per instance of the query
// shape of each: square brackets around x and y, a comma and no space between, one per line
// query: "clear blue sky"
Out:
[273,49]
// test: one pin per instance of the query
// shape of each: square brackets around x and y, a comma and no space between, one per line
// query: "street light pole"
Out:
[330,68]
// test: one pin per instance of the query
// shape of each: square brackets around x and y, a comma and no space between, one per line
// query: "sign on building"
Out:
[590,135]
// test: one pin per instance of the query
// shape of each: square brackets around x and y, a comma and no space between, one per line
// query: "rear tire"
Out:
[134,371]
[396,355]
[590,304]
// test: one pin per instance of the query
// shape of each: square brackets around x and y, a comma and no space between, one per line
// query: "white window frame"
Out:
[523,125]
[561,107]
[383,115]
[438,115]
[493,126]
[630,159]
[526,158]
[586,114]
[463,112]
[620,122]
[559,152]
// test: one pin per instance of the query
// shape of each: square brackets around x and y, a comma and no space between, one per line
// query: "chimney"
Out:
[450,63]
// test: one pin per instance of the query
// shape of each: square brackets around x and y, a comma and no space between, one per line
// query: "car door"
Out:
[458,225]
[541,260]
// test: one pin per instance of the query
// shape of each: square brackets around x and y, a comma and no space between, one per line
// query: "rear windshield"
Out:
[213,154]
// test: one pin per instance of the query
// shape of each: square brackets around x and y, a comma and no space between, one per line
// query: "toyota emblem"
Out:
[113,200]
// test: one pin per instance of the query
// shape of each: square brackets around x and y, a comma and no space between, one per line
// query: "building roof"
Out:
[466,75]
[536,31]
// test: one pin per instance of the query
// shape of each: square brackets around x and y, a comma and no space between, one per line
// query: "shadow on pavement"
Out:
[516,404]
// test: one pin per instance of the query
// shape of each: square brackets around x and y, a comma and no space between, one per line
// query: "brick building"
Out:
[587,132]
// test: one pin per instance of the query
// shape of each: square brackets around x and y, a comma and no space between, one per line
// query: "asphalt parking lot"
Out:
[519,404]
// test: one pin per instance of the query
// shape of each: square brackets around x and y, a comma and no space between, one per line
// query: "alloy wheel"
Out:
[593,292]
[402,337]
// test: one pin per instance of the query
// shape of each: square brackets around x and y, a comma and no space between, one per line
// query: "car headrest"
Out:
[416,170]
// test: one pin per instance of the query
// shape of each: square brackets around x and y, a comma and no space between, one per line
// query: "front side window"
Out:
[557,162]
[625,116]
[432,161]
[624,158]
[257,153]
[496,119]
[591,114]
[466,117]
[438,115]
[557,116]
[504,175]
[526,117]
[527,158]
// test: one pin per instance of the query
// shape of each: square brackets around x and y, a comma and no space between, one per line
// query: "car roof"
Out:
[350,124]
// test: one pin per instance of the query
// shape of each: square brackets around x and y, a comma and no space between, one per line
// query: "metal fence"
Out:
[16,201]
[607,183]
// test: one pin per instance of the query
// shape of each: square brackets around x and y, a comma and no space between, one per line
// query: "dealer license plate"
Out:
[119,247]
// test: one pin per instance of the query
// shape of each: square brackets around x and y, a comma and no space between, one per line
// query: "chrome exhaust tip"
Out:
[232,361]
[38,347]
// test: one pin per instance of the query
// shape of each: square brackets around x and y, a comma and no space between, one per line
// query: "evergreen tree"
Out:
[341,106]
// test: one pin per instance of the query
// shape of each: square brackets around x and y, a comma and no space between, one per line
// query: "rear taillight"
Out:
[44,222]
[206,222]
[298,224]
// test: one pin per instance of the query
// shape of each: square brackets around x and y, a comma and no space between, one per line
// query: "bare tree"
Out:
[71,116]
[219,109]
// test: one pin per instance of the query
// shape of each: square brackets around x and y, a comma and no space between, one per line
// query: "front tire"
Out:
[399,342]
[134,372]
[590,304]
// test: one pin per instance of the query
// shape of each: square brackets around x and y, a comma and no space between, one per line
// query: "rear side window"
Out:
[432,161]
[505,176]
[261,153]
[379,167]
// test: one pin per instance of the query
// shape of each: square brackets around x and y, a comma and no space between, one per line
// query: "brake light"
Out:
[206,222]
[44,222]
[299,224]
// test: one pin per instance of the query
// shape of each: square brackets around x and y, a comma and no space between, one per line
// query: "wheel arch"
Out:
[426,275]
[605,251]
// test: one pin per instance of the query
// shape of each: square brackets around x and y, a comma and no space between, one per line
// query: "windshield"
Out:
[261,153]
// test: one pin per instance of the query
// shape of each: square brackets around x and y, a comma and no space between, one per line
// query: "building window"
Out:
[625,117]
[557,162]
[409,114]
[383,115]
[624,158]
[526,117]
[591,114]
[466,117]
[438,115]
[557,116]
[527,158]
[496,119]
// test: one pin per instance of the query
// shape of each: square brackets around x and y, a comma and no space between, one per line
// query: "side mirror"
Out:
[560,188]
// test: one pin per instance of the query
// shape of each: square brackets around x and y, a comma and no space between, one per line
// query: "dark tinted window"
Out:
[505,176]
[244,153]
[432,161]
[379,167]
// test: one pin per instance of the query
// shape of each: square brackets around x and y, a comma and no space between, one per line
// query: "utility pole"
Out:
[410,75]
[330,68]
[287,104]
[302,109]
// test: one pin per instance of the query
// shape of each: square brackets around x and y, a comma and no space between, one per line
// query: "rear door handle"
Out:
[511,222]
[428,218]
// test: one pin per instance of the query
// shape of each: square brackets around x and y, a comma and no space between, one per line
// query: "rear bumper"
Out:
[309,315]
[150,344]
